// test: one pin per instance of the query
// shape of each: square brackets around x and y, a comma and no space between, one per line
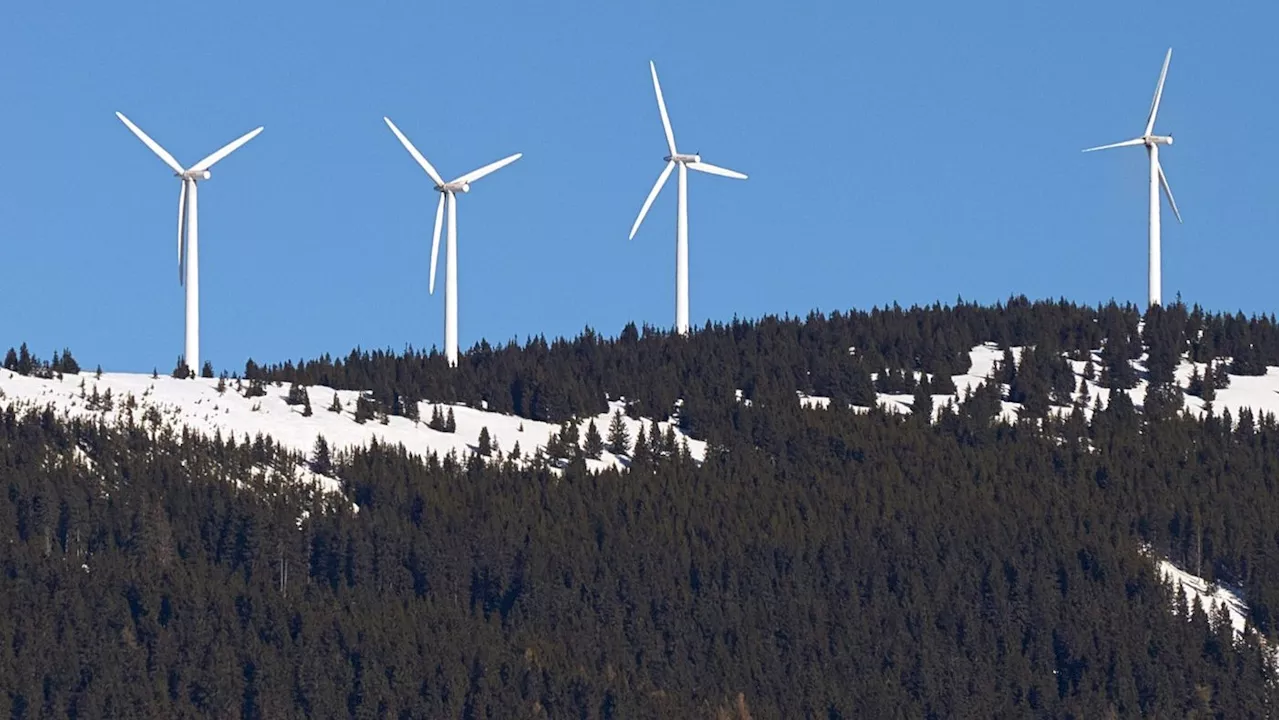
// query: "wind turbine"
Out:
[188,229]
[448,196]
[1156,181]
[690,162]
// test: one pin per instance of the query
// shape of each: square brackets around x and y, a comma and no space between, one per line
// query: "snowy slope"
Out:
[1261,394]
[1196,587]
[196,404]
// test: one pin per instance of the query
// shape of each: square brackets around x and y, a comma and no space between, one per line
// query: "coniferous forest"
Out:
[821,563]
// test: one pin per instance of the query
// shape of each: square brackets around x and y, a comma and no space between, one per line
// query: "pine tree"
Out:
[297,395]
[11,360]
[306,404]
[365,409]
[593,445]
[26,363]
[181,371]
[336,405]
[222,385]
[437,419]
[321,463]
[411,411]
[569,435]
[640,453]
[922,404]
[155,373]
[69,364]
[206,370]
[484,446]
[619,438]
[450,425]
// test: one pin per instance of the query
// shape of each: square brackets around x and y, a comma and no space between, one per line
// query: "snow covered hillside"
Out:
[1261,394]
[197,404]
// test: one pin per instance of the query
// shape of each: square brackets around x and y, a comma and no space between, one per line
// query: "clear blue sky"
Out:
[897,152]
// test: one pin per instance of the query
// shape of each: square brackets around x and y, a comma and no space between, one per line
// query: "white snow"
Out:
[196,404]
[1196,587]
[1261,394]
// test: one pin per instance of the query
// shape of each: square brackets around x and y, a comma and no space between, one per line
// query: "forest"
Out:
[835,562]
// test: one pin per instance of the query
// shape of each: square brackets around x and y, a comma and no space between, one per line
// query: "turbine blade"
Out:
[182,231]
[1126,143]
[475,175]
[1155,101]
[1164,183]
[435,244]
[414,152]
[657,187]
[155,146]
[716,170]
[662,108]
[226,150]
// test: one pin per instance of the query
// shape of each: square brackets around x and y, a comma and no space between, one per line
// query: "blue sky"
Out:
[905,152]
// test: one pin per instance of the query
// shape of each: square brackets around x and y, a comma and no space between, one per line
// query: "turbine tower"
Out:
[448,196]
[188,230]
[685,162]
[1156,180]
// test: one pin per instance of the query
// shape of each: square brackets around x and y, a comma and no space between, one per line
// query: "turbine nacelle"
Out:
[455,187]
[194,175]
[1158,139]
[681,158]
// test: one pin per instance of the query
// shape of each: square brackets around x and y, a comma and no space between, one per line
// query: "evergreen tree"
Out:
[922,404]
[437,419]
[26,363]
[484,446]
[321,463]
[450,425]
[222,385]
[336,405]
[297,395]
[11,360]
[619,438]
[206,370]
[411,411]
[180,370]
[69,364]
[593,444]
[306,404]
[365,409]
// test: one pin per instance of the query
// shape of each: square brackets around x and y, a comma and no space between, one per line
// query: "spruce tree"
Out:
[450,425]
[321,463]
[336,405]
[484,446]
[619,439]
[181,371]
[437,419]
[922,404]
[11,360]
[206,370]
[593,445]
[69,364]
[306,405]
[222,385]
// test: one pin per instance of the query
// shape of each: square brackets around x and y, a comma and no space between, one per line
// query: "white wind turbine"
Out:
[448,196]
[188,230]
[692,162]
[1156,181]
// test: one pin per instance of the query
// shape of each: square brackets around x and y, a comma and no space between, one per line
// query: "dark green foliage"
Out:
[592,443]
[619,442]
[206,370]
[450,424]
[221,387]
[68,364]
[1004,560]
[336,405]
[256,388]
[181,371]
[306,404]
[366,409]
[297,395]
[321,461]
[484,446]
[437,419]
